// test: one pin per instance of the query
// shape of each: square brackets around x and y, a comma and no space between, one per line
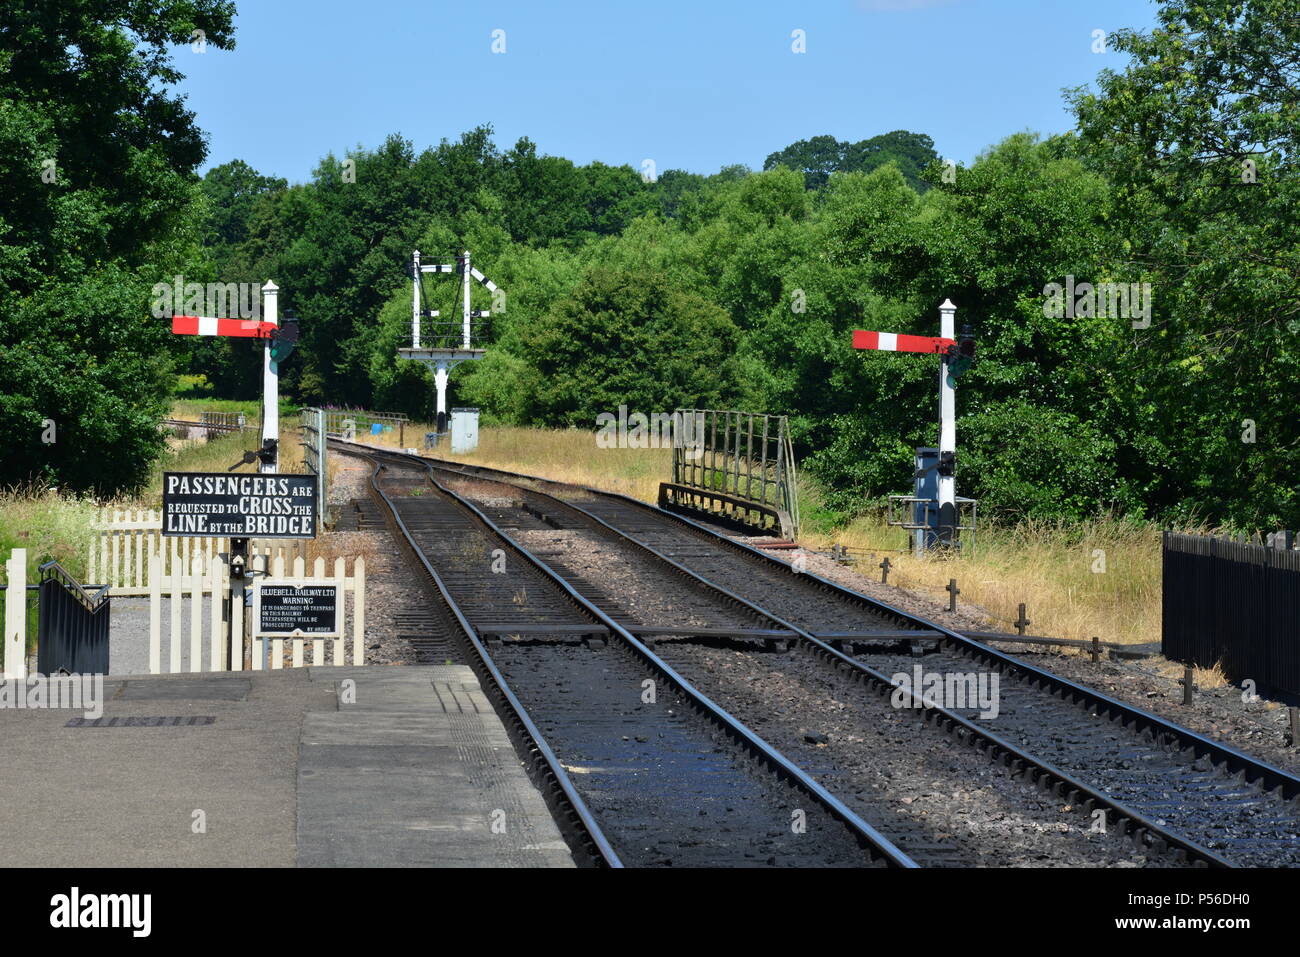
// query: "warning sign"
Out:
[288,607]
[239,506]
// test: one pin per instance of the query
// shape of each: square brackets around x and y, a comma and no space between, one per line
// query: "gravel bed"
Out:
[389,592]
[1259,728]
[939,800]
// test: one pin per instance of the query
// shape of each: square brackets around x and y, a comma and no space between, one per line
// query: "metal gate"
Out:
[315,435]
[73,629]
[736,466]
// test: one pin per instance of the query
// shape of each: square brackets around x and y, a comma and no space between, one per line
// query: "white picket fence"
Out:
[127,540]
[209,577]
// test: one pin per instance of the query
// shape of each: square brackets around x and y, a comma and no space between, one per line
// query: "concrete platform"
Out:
[375,766]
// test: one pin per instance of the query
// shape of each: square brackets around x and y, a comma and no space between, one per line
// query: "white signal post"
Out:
[465,267]
[270,377]
[947,428]
[415,299]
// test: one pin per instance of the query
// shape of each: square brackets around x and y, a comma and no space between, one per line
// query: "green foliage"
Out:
[821,156]
[593,350]
[1201,134]
[97,203]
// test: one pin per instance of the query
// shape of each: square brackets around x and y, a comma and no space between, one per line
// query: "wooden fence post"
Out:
[174,599]
[318,644]
[155,613]
[196,611]
[358,611]
[15,635]
[340,572]
[216,582]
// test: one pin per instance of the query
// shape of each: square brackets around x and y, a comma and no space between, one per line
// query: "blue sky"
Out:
[691,85]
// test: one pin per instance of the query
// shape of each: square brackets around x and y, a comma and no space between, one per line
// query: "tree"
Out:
[629,338]
[233,190]
[816,159]
[98,201]
[1201,135]
[819,157]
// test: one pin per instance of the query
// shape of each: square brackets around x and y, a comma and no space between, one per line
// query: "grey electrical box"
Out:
[925,511]
[464,430]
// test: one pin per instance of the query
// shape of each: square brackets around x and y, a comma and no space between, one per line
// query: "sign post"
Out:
[239,507]
[294,607]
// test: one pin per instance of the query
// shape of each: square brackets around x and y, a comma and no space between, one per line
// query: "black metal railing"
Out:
[1234,603]
[73,628]
[448,332]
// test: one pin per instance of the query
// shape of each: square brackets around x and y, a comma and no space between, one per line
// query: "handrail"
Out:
[53,570]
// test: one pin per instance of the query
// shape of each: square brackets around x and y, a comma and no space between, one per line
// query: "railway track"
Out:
[1168,787]
[873,757]
[646,770]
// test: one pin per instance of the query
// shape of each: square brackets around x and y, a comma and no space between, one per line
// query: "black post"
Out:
[1189,684]
[884,571]
[1096,650]
[953,592]
[1022,622]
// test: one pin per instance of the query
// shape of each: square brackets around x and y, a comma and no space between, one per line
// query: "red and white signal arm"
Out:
[210,326]
[898,342]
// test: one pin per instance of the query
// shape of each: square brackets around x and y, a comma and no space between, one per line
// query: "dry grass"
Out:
[55,526]
[1100,577]
[567,455]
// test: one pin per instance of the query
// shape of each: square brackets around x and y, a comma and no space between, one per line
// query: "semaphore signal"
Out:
[958,353]
[279,340]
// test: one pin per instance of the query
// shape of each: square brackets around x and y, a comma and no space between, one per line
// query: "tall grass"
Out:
[55,525]
[567,455]
[52,526]
[252,408]
[1078,580]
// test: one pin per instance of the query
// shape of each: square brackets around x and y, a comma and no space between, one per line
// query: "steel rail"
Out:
[1237,762]
[954,724]
[544,761]
[868,837]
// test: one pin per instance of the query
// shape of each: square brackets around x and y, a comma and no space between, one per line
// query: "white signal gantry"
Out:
[446,352]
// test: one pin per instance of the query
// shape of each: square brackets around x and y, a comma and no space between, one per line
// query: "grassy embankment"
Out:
[55,526]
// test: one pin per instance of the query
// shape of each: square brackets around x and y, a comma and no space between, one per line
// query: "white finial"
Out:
[947,306]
